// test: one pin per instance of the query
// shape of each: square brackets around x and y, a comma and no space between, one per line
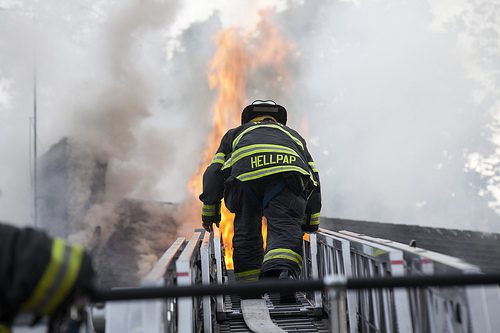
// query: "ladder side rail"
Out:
[486,307]
[206,264]
[388,305]
[327,265]
[186,275]
[169,279]
[393,303]
[389,261]
[337,258]
[457,309]
[425,256]
[423,315]
[218,271]
[352,302]
[159,270]
[309,260]
[377,307]
[401,296]
[318,304]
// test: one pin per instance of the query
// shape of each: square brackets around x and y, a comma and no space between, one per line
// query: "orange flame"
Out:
[229,70]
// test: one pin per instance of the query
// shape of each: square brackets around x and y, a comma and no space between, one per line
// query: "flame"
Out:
[237,56]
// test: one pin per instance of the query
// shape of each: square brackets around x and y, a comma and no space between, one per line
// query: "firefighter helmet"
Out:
[263,108]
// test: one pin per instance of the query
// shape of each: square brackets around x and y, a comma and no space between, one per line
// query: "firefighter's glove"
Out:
[210,214]
[311,223]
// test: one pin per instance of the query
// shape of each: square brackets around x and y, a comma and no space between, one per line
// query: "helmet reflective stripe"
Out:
[260,101]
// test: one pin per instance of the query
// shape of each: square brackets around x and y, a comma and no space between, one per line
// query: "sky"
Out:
[399,100]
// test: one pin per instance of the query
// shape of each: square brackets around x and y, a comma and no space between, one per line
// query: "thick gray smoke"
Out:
[398,97]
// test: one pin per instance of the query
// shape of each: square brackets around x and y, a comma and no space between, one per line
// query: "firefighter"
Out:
[39,275]
[263,168]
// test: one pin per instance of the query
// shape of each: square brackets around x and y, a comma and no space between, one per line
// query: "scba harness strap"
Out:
[268,196]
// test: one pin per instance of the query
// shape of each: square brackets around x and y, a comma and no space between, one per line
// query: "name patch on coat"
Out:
[269,159]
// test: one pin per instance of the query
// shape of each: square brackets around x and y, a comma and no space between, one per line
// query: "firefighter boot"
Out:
[287,297]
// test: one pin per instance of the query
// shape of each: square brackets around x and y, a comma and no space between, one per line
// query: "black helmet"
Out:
[263,108]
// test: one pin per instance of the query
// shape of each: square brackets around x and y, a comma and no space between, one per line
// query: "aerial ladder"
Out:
[342,255]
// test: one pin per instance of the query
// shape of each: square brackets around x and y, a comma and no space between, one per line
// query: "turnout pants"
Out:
[280,198]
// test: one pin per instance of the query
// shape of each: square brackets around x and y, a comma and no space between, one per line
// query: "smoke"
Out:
[391,91]
[399,100]
[96,74]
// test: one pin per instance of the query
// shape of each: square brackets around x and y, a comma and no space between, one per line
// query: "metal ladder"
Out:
[300,316]
[342,254]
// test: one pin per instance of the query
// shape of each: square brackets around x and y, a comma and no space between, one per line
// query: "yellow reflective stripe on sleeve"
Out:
[313,167]
[203,213]
[314,219]
[273,170]
[257,149]
[219,158]
[205,206]
[238,138]
[75,261]
[48,277]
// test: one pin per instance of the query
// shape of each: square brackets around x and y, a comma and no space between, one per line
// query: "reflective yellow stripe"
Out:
[273,170]
[249,279]
[282,250]
[257,149]
[285,256]
[247,273]
[75,261]
[48,277]
[248,276]
[5,329]
[261,118]
[209,210]
[209,206]
[313,167]
[203,213]
[219,158]
[238,138]
[282,253]
[314,219]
